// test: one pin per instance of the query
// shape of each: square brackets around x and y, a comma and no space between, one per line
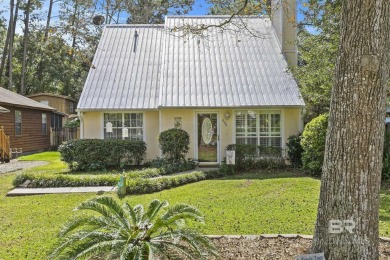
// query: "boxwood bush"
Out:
[249,157]
[313,144]
[174,144]
[98,154]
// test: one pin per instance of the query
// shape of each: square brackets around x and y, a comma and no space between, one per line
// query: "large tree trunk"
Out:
[25,44]
[11,39]
[347,220]
[40,67]
[5,50]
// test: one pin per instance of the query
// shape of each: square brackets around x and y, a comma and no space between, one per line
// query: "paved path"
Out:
[15,165]
[39,191]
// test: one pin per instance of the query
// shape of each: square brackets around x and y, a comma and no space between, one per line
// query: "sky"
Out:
[200,8]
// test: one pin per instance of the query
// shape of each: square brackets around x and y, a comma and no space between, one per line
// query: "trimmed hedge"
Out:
[45,180]
[170,167]
[174,144]
[98,154]
[250,156]
[144,186]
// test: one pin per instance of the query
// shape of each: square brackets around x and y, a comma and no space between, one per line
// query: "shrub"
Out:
[45,180]
[386,157]
[117,231]
[169,167]
[313,144]
[174,144]
[295,150]
[97,154]
[250,156]
[143,186]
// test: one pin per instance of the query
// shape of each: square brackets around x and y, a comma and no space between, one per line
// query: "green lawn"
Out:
[248,204]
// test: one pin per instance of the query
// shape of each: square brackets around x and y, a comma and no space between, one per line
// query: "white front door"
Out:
[207,137]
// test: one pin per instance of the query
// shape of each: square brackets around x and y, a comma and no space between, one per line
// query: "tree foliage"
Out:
[317,55]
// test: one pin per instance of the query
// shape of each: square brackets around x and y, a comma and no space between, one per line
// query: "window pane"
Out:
[44,123]
[18,122]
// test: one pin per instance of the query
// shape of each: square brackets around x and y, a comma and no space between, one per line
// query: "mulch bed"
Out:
[257,247]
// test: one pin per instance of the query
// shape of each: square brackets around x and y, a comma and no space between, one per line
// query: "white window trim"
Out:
[259,111]
[123,112]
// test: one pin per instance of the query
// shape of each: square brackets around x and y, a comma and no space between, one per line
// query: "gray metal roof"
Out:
[125,76]
[8,97]
[229,67]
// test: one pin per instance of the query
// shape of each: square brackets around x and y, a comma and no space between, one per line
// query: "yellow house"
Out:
[223,85]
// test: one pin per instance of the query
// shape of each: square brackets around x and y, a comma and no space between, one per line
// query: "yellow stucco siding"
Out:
[92,126]
[151,134]
[293,123]
[187,123]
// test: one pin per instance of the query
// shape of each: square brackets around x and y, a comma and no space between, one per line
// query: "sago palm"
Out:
[124,232]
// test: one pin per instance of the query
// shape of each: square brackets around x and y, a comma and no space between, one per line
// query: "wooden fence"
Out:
[5,150]
[60,135]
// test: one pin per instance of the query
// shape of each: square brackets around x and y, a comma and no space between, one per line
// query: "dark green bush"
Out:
[313,144]
[295,150]
[142,186]
[250,156]
[64,180]
[98,154]
[170,167]
[174,144]
[386,157]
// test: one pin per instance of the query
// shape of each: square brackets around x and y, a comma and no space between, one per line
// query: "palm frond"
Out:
[154,208]
[131,213]
[183,211]
[81,239]
[96,249]
[139,212]
[82,221]
[103,210]
[145,251]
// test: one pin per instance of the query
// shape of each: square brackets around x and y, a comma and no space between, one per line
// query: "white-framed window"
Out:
[259,127]
[44,123]
[124,126]
[45,102]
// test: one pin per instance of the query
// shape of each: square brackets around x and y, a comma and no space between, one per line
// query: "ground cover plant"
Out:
[264,202]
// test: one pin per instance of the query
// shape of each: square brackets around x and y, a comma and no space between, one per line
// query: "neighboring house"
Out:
[64,105]
[27,123]
[222,88]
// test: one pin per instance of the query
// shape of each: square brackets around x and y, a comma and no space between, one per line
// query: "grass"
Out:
[283,202]
[55,165]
